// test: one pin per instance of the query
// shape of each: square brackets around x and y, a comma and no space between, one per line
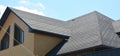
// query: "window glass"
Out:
[18,35]
[5,40]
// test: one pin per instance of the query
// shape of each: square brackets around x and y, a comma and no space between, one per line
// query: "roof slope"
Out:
[85,33]
[43,23]
[90,30]
[116,25]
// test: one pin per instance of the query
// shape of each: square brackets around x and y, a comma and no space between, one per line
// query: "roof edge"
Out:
[48,33]
[4,16]
[85,49]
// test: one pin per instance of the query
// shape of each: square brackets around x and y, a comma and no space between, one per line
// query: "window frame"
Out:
[5,40]
[20,39]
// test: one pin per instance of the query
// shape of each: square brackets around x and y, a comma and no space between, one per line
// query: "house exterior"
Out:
[27,34]
[19,37]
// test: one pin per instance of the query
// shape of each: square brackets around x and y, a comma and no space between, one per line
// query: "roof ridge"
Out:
[84,15]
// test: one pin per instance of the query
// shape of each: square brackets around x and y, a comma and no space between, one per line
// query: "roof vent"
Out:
[73,20]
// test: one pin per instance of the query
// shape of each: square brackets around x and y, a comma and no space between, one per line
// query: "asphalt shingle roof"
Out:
[40,22]
[92,29]
[116,25]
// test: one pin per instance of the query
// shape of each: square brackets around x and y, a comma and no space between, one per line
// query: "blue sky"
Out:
[65,9]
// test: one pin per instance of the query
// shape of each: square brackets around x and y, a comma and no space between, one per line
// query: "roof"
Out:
[92,29]
[38,22]
[116,25]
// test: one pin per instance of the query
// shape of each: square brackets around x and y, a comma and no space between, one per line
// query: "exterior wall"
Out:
[24,49]
[44,43]
[34,43]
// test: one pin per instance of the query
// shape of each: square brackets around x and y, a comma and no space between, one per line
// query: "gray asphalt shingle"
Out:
[42,23]
[92,29]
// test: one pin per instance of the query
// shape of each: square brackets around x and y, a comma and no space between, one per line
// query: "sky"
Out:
[64,9]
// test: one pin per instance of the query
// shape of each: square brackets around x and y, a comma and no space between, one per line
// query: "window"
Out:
[18,35]
[5,40]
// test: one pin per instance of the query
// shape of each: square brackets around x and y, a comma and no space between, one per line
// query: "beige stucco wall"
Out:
[25,49]
[35,44]
[44,43]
